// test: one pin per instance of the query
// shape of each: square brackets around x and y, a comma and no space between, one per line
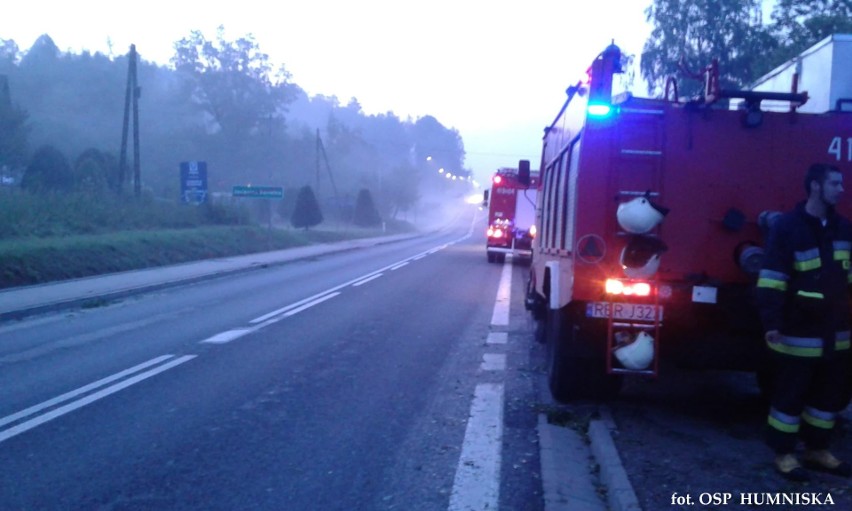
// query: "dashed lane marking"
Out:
[477,481]
[500,317]
[230,335]
[497,338]
[493,362]
[368,279]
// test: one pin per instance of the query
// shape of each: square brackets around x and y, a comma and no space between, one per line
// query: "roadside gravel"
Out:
[700,435]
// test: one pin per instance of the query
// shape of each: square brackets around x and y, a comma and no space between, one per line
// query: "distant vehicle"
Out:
[511,213]
[651,220]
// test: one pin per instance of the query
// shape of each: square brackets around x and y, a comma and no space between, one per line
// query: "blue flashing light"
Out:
[600,109]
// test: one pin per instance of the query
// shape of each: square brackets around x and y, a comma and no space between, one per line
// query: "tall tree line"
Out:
[221,101]
[688,34]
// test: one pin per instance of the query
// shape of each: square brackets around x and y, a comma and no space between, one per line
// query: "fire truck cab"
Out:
[651,219]
[511,213]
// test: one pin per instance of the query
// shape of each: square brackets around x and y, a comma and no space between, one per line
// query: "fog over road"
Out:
[343,382]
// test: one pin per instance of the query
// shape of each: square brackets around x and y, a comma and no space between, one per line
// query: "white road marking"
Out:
[310,304]
[393,266]
[294,305]
[230,335]
[361,283]
[500,317]
[91,398]
[419,257]
[497,338]
[477,481]
[82,390]
[493,362]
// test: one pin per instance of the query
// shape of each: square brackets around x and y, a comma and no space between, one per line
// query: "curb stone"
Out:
[620,494]
[565,477]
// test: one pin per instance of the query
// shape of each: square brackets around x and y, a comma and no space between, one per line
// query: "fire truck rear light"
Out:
[617,287]
[639,289]
[498,233]
[498,180]
[533,231]
[614,287]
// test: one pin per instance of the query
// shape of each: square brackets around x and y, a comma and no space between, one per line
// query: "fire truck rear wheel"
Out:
[574,371]
[492,257]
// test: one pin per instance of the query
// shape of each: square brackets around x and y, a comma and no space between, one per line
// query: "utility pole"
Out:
[131,96]
[321,148]
[318,163]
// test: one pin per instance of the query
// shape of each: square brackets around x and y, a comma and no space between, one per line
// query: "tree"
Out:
[403,188]
[13,130]
[799,24]
[47,172]
[91,172]
[9,54]
[690,34]
[234,81]
[365,214]
[307,211]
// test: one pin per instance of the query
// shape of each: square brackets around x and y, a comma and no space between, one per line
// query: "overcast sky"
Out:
[494,70]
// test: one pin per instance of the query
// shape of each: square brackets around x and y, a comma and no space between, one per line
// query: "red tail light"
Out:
[618,287]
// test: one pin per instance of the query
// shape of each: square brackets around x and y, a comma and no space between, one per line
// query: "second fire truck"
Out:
[511,213]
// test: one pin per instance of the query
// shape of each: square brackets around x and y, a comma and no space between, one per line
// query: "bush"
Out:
[307,211]
[366,214]
[48,171]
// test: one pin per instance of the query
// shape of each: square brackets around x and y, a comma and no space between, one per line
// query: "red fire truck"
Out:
[651,219]
[511,213]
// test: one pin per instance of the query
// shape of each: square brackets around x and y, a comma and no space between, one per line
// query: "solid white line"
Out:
[230,335]
[399,266]
[497,338]
[504,293]
[91,398]
[493,362]
[309,305]
[477,482]
[82,390]
[374,277]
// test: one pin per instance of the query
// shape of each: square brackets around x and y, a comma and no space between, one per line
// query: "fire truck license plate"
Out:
[628,311]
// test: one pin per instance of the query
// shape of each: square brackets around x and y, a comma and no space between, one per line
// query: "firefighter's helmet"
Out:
[640,215]
[636,355]
[640,258]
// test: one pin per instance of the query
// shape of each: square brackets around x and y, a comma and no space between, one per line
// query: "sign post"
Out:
[193,182]
[260,192]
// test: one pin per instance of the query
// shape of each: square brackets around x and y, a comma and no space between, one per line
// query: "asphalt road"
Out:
[363,380]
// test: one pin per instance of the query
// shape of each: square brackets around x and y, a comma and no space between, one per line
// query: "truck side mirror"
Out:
[485,199]
[524,172]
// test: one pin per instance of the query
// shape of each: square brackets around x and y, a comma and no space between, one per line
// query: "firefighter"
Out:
[802,293]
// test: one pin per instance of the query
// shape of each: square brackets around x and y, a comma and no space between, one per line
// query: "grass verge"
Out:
[38,260]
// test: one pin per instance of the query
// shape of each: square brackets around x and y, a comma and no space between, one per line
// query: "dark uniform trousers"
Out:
[809,392]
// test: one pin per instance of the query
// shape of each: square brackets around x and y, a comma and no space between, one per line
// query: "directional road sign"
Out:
[261,192]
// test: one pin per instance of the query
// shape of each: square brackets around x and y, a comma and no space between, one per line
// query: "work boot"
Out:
[824,461]
[788,466]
